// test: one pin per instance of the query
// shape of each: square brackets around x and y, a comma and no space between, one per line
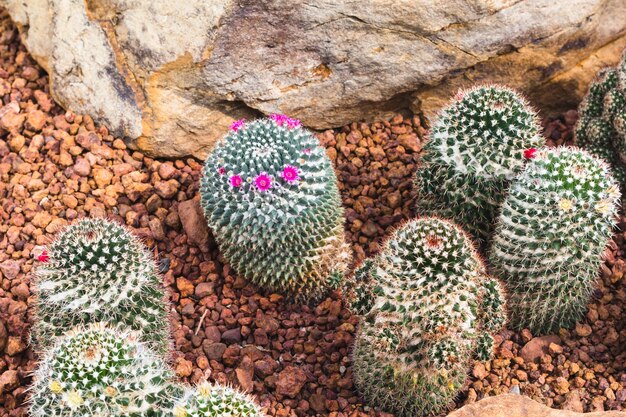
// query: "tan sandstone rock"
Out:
[171,76]
[511,405]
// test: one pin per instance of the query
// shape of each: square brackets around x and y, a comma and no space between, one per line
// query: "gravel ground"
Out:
[56,166]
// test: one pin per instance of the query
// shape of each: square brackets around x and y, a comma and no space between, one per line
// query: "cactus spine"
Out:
[551,233]
[477,145]
[96,270]
[215,401]
[100,371]
[270,194]
[601,128]
[428,309]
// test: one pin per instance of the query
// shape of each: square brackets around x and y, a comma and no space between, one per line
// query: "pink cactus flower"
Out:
[307,151]
[237,124]
[279,119]
[221,170]
[43,256]
[236,181]
[293,123]
[290,174]
[263,181]
[284,120]
[530,153]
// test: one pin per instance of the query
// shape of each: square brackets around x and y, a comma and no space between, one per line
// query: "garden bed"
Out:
[56,166]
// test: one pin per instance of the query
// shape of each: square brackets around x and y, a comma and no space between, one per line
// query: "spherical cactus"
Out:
[551,234]
[208,400]
[601,128]
[431,310]
[270,195]
[476,146]
[96,270]
[100,371]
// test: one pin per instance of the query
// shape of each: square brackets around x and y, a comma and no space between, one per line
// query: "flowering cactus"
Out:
[215,401]
[476,146]
[428,308]
[270,195]
[551,234]
[601,128]
[100,371]
[96,270]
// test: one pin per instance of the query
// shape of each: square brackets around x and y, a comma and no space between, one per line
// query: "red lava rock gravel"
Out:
[56,166]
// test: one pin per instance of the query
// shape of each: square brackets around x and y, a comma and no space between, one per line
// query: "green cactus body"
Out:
[601,128]
[552,231]
[103,372]
[476,146]
[492,316]
[98,271]
[469,201]
[360,289]
[428,310]
[270,195]
[208,400]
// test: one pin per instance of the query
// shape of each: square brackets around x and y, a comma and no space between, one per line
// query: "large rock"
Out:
[511,405]
[171,76]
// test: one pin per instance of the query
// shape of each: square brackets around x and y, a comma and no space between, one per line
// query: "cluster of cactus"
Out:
[215,401]
[427,304]
[96,271]
[601,128]
[270,195]
[428,309]
[551,234]
[100,371]
[99,282]
[476,146]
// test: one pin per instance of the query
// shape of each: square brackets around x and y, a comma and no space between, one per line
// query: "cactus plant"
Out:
[428,308]
[208,400]
[551,234]
[101,371]
[491,316]
[270,195]
[359,289]
[476,146]
[601,128]
[96,270]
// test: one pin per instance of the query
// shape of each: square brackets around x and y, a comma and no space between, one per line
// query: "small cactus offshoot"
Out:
[208,400]
[428,309]
[96,270]
[477,145]
[551,234]
[100,371]
[270,195]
